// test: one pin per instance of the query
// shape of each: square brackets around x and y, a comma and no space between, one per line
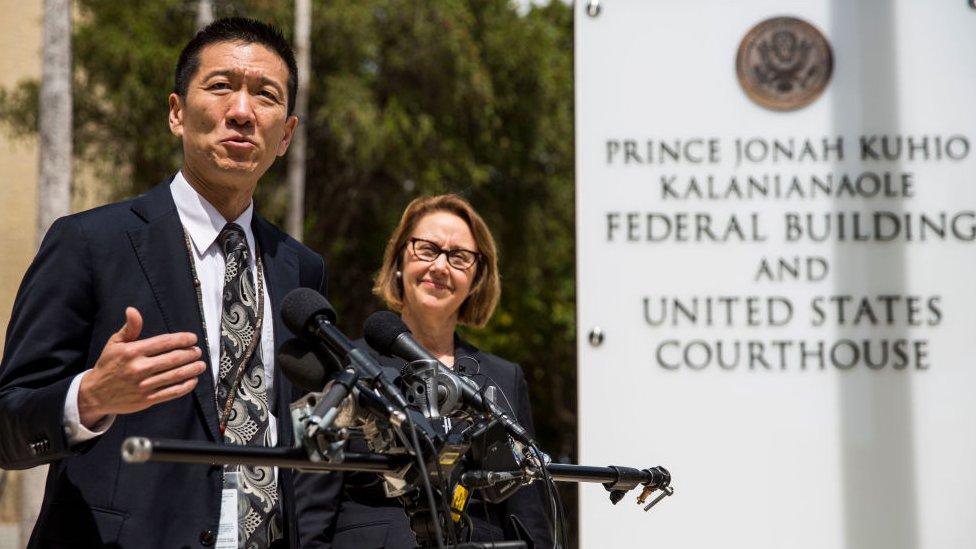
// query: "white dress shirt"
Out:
[203,224]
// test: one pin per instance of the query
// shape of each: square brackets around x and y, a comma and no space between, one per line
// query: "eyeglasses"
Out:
[459,258]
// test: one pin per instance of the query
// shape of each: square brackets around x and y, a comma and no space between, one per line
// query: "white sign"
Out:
[787,297]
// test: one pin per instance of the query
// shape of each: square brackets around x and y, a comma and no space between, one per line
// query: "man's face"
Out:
[234,119]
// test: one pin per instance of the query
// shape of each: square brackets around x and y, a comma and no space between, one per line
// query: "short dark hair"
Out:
[236,29]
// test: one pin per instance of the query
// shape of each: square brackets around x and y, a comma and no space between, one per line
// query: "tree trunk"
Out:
[296,156]
[54,181]
[54,123]
[204,13]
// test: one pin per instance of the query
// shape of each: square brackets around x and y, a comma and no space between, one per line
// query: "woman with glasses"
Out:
[440,270]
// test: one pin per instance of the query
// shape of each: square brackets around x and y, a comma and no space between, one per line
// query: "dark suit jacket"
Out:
[91,266]
[365,519]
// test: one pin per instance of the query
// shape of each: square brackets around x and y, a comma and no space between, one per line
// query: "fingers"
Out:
[150,366]
[173,391]
[173,376]
[162,343]
[131,374]
[131,329]
[129,333]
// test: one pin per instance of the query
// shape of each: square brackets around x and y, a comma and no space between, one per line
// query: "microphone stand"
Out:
[617,480]
[143,450]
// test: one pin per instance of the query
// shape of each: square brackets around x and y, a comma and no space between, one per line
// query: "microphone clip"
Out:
[322,444]
[428,385]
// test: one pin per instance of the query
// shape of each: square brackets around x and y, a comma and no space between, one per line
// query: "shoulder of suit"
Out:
[102,220]
[488,360]
[305,253]
[123,214]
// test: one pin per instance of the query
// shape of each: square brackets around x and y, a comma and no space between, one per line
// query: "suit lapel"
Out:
[282,275]
[162,252]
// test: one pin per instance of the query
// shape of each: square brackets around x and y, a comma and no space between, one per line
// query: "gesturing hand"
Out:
[132,374]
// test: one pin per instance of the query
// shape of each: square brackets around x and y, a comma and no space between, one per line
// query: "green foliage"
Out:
[18,108]
[406,97]
[471,97]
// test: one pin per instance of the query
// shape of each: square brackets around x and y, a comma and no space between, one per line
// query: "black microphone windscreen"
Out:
[381,329]
[301,305]
[304,367]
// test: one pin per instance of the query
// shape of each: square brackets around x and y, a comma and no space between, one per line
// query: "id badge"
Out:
[229,497]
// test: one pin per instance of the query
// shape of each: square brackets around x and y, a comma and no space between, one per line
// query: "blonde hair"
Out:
[486,288]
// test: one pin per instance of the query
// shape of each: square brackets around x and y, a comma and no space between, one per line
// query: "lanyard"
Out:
[228,406]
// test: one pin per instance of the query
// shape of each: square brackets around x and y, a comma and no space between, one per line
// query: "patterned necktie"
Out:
[247,422]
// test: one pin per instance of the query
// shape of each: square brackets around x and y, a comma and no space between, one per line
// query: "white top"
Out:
[203,224]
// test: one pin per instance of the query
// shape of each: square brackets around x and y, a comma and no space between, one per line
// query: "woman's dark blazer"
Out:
[365,519]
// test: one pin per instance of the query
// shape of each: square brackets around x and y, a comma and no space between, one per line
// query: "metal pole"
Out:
[141,450]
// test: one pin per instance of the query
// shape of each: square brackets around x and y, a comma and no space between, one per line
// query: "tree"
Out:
[54,177]
[298,151]
[420,97]
[54,117]
[204,13]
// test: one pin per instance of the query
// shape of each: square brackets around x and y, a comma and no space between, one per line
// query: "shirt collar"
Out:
[200,218]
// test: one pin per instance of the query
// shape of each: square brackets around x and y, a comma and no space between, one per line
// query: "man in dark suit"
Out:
[158,317]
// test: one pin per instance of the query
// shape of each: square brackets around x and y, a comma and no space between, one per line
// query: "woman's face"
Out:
[436,288]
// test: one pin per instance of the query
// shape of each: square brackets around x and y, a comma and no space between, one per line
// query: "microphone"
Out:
[304,367]
[386,332]
[310,316]
[301,365]
[310,370]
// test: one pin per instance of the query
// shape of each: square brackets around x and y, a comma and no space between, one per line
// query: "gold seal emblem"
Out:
[784,63]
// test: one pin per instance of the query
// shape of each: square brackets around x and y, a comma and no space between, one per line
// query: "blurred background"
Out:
[404,97]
